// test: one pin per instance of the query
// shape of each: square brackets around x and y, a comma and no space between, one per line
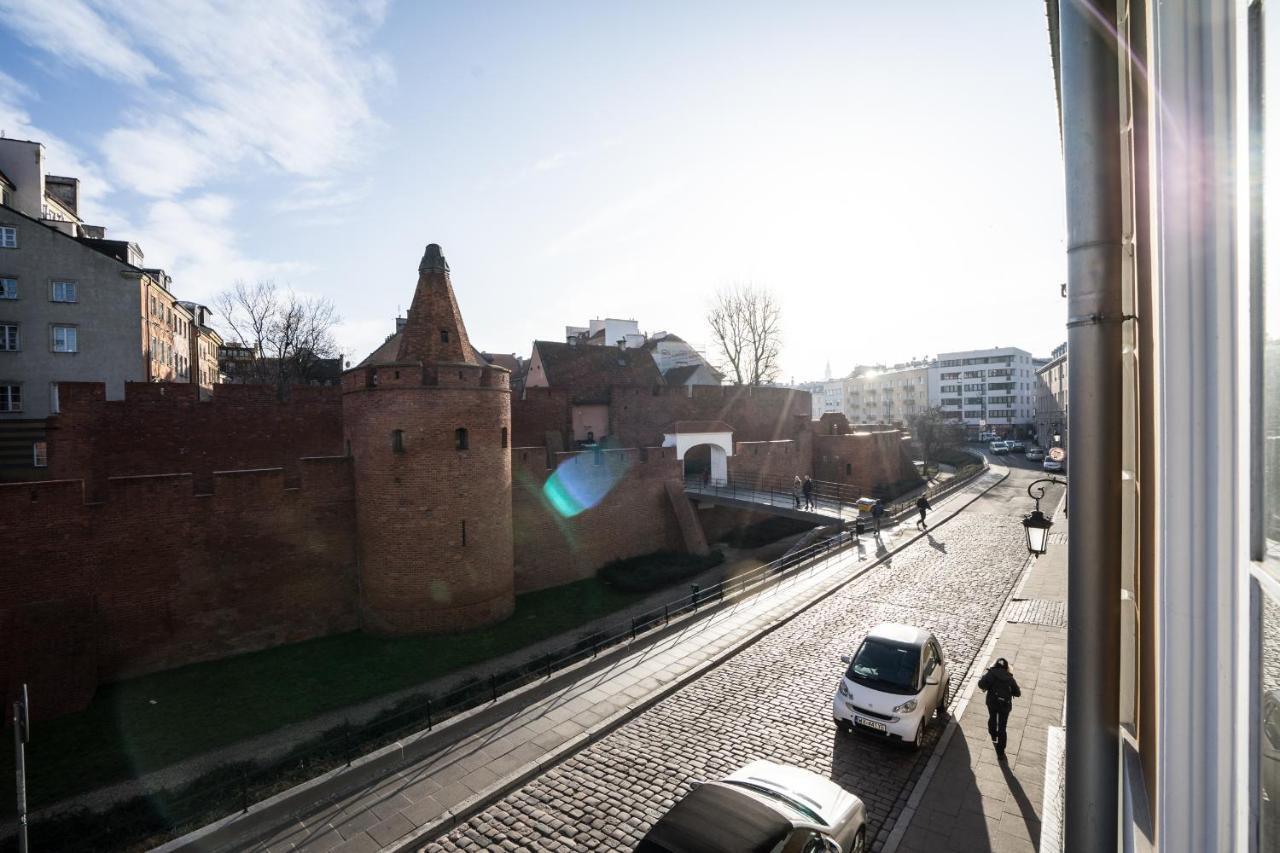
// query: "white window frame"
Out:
[8,288]
[8,237]
[75,338]
[64,284]
[40,454]
[6,397]
[17,337]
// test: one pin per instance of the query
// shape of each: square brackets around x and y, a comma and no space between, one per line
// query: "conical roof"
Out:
[433,332]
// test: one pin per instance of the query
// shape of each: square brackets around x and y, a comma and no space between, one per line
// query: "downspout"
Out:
[1091,132]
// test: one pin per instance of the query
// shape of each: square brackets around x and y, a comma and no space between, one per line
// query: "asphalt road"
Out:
[773,700]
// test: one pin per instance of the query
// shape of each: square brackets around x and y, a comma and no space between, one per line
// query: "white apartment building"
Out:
[887,394]
[679,362]
[988,390]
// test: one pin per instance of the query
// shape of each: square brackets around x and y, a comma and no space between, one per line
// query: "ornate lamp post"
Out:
[1037,524]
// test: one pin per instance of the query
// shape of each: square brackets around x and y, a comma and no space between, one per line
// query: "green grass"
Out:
[137,726]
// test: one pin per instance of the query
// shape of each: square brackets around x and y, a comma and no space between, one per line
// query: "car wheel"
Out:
[859,842]
[918,741]
[943,697]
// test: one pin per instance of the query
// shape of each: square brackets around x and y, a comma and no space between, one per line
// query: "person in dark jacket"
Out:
[922,504]
[877,513]
[808,493]
[1001,688]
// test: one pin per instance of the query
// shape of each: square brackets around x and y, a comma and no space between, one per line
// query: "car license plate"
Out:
[871,724]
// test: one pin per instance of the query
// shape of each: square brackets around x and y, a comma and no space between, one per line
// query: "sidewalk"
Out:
[968,800]
[429,795]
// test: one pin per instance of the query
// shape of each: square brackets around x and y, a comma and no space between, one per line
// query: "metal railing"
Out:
[151,819]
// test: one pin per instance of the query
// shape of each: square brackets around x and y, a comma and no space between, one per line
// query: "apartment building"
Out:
[887,394]
[989,390]
[204,344]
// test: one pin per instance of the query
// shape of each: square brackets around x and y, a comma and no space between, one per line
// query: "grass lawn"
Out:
[147,723]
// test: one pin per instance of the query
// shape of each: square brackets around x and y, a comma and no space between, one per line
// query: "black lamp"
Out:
[1037,524]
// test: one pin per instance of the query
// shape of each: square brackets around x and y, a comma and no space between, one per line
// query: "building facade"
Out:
[991,390]
[887,394]
[1052,401]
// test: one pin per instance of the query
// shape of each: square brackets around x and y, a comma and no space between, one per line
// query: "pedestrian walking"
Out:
[706,477]
[1001,688]
[807,488]
[796,488]
[922,504]
[877,513]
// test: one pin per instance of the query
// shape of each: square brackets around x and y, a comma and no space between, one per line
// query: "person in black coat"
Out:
[1001,688]
[923,505]
[807,488]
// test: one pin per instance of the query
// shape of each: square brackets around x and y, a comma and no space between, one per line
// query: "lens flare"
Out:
[582,481]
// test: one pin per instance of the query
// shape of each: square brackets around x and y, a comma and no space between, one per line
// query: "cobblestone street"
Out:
[773,700]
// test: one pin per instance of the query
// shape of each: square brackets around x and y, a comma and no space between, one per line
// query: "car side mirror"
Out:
[932,679]
[844,659]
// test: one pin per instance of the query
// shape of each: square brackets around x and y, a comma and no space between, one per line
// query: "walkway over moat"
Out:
[833,502]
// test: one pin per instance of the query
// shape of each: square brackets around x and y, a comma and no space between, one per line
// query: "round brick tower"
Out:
[427,423]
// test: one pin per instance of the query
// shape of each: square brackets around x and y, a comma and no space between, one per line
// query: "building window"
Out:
[464,532]
[8,288]
[460,438]
[10,398]
[9,339]
[848,468]
[40,454]
[397,442]
[63,291]
[444,336]
[8,237]
[64,339]
[504,436]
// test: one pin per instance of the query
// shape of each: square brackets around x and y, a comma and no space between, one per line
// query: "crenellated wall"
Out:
[164,427]
[590,509]
[158,574]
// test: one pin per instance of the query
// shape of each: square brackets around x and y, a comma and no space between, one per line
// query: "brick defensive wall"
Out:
[588,509]
[160,573]
[159,428]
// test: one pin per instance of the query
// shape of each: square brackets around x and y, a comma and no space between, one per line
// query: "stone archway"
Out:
[716,436]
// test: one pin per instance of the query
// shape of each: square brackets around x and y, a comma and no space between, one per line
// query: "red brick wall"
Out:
[770,460]
[867,460]
[625,512]
[639,416]
[538,411]
[156,576]
[160,428]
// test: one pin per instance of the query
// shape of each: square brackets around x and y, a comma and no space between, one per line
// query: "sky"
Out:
[891,172]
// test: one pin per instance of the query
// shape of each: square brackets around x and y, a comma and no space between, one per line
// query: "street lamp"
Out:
[1037,524]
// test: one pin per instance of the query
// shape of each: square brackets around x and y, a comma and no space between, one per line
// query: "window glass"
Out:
[1269,723]
[64,291]
[64,339]
[8,338]
[8,238]
[10,398]
[8,288]
[40,454]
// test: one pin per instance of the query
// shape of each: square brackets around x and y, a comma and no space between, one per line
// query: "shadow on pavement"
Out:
[1025,806]
[936,545]
[959,810]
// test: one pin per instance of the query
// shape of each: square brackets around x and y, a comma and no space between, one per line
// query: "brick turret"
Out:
[428,430]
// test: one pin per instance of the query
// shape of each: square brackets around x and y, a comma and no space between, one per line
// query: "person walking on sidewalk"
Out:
[808,492]
[877,513]
[1001,688]
[922,504]
[795,490]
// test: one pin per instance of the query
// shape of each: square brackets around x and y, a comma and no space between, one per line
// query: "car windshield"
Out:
[804,810]
[884,665]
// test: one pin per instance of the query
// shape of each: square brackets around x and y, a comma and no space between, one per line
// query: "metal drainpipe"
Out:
[1091,151]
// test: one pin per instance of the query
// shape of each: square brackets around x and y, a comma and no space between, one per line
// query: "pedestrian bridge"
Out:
[833,502]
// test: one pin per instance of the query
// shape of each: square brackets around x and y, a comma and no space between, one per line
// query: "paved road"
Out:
[773,700]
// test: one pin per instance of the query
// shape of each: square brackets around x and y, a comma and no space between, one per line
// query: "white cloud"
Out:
[77,35]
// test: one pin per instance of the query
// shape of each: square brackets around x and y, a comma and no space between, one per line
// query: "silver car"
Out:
[762,808]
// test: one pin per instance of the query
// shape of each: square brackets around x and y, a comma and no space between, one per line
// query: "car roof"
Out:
[714,818]
[900,633]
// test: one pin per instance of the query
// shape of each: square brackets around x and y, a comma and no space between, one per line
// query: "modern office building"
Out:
[989,390]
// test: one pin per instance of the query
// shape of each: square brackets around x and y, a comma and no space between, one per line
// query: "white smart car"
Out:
[764,807]
[895,684]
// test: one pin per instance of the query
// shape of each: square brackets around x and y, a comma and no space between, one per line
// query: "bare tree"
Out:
[746,324]
[286,336]
[935,435]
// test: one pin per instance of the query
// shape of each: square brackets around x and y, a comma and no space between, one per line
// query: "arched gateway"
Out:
[716,436]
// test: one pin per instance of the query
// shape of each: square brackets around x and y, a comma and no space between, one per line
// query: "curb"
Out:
[962,704]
